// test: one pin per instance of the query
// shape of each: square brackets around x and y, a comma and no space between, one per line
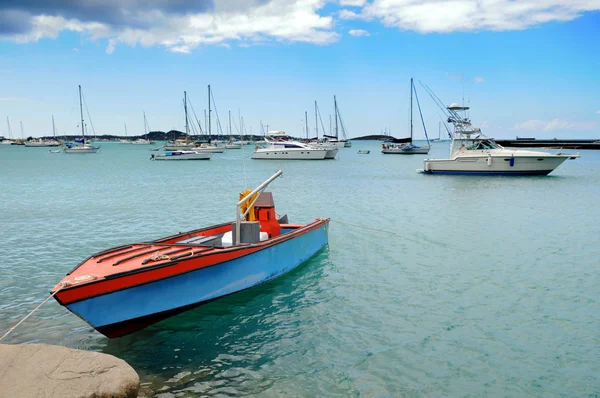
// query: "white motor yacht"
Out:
[473,153]
[290,150]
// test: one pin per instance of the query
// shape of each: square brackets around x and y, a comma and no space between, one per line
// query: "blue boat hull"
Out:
[121,312]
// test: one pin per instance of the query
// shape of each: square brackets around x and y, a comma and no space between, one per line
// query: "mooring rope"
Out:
[64,284]
[363,227]
[156,256]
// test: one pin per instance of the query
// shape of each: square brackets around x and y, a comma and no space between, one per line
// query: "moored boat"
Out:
[126,288]
[405,146]
[473,153]
[80,146]
[292,150]
[182,155]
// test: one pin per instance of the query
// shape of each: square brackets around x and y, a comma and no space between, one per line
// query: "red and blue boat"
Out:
[126,288]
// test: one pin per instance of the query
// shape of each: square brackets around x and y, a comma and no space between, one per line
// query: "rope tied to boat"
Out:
[62,285]
[156,256]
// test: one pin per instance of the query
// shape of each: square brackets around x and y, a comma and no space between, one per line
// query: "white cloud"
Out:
[454,77]
[428,16]
[358,32]
[557,125]
[247,22]
[8,98]
[347,14]
[353,3]
[598,112]
[479,80]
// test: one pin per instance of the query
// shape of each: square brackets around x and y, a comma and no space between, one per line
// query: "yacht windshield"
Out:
[483,145]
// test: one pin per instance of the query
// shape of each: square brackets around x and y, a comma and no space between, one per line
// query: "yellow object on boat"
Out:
[251,216]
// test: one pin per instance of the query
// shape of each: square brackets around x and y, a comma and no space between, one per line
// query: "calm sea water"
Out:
[470,286]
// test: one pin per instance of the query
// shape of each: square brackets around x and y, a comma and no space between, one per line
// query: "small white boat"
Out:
[209,148]
[473,153]
[405,149]
[182,155]
[234,145]
[363,152]
[291,150]
[41,143]
[81,148]
[54,151]
[143,141]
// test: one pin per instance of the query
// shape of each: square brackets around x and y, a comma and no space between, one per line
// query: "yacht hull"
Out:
[424,150]
[179,147]
[275,154]
[81,151]
[184,156]
[504,165]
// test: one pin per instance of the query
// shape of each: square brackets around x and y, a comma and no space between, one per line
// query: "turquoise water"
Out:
[471,286]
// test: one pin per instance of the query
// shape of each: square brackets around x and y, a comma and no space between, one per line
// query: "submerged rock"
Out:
[42,370]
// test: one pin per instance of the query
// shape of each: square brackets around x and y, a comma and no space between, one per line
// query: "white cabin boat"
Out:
[291,150]
[473,153]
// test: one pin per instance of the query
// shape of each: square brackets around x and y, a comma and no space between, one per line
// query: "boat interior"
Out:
[129,258]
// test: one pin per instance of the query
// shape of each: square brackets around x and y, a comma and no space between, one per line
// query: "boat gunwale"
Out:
[300,230]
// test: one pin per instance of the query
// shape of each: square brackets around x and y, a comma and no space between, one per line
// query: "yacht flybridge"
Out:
[473,153]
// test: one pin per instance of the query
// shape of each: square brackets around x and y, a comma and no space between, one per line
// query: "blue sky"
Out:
[527,68]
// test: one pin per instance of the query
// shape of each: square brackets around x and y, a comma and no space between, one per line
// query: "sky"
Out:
[527,68]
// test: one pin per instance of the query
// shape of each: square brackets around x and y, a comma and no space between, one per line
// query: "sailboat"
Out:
[180,150]
[44,143]
[185,143]
[405,146]
[334,139]
[9,140]
[143,141]
[80,146]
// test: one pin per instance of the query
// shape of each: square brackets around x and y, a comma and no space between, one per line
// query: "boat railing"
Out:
[238,216]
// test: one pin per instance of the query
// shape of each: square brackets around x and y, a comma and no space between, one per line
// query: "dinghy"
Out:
[126,288]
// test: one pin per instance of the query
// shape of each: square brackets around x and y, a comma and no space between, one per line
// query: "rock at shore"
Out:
[42,370]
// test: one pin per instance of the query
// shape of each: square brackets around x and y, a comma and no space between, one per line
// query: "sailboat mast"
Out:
[411,111]
[81,111]
[316,124]
[336,116]
[53,128]
[22,136]
[230,125]
[145,125]
[9,129]
[209,124]
[125,124]
[185,110]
